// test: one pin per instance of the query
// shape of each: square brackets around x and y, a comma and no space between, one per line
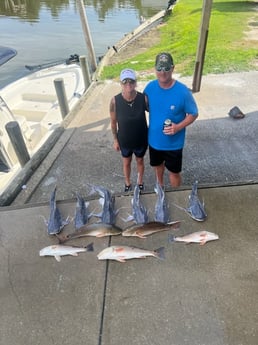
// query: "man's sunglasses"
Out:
[130,81]
[164,69]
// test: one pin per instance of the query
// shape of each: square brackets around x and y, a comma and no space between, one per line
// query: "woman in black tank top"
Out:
[129,126]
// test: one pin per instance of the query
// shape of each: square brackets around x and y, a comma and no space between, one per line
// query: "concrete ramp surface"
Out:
[197,295]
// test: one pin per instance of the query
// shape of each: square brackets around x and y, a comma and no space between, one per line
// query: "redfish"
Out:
[146,229]
[123,253]
[196,237]
[94,229]
[58,250]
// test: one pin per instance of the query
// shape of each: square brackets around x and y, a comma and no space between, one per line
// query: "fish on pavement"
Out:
[55,222]
[58,250]
[161,206]
[146,229]
[196,237]
[139,211]
[94,229]
[107,201]
[195,207]
[81,214]
[123,253]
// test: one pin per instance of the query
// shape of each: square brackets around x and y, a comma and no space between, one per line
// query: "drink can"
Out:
[167,123]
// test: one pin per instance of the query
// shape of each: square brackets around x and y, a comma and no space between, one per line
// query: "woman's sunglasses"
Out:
[130,81]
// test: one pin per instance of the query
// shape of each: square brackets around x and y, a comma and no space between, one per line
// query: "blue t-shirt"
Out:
[173,103]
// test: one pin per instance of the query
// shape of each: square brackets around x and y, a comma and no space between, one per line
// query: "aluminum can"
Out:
[167,123]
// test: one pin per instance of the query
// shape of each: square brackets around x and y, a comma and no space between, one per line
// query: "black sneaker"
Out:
[128,188]
[141,187]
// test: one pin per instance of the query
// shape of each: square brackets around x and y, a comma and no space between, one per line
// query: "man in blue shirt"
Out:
[168,99]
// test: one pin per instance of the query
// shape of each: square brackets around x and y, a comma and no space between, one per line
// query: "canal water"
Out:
[43,31]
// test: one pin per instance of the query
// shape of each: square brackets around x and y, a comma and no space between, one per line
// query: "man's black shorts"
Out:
[172,159]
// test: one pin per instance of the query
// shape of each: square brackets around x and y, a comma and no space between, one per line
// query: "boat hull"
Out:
[32,102]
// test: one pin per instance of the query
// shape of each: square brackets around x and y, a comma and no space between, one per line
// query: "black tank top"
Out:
[132,125]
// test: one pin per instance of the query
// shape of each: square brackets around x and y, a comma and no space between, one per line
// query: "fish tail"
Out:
[160,253]
[175,224]
[61,238]
[180,208]
[44,219]
[171,238]
[90,247]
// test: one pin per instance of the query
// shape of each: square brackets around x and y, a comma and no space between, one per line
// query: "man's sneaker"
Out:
[128,188]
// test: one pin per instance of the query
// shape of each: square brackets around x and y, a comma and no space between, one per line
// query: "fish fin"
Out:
[44,219]
[66,221]
[138,234]
[175,225]
[197,219]
[203,240]
[128,219]
[171,238]
[58,258]
[101,201]
[117,211]
[97,215]
[120,260]
[181,208]
[90,247]
[202,243]
[92,214]
[61,238]
[160,253]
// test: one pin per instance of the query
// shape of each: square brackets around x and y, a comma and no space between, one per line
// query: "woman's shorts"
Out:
[139,152]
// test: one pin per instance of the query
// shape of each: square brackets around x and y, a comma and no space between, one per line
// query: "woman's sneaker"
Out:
[128,188]
[141,186]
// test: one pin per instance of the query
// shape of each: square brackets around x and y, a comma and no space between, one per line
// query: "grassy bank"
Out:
[228,49]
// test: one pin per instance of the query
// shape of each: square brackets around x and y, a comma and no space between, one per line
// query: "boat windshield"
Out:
[6,54]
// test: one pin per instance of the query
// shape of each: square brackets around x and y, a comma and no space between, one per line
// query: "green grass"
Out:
[227,48]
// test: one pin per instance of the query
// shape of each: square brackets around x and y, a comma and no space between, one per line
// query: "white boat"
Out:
[32,102]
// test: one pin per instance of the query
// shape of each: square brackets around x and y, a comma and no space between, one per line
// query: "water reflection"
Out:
[29,10]
[48,30]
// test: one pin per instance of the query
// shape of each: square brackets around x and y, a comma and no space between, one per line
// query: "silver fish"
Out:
[94,229]
[123,253]
[107,201]
[161,206]
[139,212]
[81,214]
[55,222]
[196,237]
[146,229]
[58,250]
[195,207]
